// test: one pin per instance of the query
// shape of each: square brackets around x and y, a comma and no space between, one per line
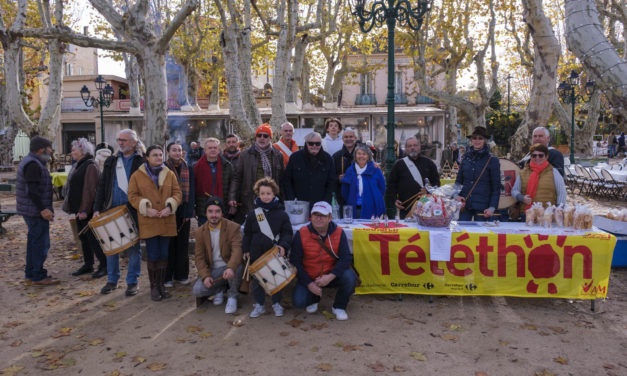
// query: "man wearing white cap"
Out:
[321,255]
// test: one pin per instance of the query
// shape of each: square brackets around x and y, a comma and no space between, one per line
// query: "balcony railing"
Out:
[400,99]
[365,100]
[422,99]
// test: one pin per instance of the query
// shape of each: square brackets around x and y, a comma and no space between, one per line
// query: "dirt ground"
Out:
[71,329]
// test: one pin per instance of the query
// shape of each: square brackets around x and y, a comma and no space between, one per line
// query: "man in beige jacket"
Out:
[218,257]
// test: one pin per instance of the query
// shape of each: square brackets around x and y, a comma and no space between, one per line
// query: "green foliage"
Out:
[495,100]
[502,127]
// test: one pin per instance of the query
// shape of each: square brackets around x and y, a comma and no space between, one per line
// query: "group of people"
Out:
[228,189]
[616,144]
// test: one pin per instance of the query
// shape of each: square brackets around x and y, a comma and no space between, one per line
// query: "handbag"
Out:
[477,181]
[332,254]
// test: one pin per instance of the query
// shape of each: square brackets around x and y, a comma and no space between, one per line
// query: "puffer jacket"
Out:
[486,193]
[257,243]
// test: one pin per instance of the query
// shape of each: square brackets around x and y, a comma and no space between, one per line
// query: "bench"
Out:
[4,216]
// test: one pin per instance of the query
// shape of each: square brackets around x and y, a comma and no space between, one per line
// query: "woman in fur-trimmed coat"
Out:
[154,191]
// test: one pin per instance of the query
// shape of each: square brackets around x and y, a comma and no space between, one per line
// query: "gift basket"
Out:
[439,207]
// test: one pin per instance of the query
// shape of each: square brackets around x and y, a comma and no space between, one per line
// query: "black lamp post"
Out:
[566,91]
[372,13]
[105,98]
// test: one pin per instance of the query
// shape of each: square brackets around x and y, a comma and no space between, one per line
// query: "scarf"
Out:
[204,178]
[275,203]
[265,161]
[153,173]
[359,171]
[532,184]
[477,154]
[183,177]
[230,156]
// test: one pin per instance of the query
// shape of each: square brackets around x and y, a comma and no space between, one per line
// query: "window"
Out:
[398,83]
[68,70]
[365,84]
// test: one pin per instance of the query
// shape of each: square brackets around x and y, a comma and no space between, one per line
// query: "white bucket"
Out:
[298,211]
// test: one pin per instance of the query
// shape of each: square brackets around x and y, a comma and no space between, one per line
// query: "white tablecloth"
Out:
[617,175]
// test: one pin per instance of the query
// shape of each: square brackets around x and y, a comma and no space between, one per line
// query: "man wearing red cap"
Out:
[258,161]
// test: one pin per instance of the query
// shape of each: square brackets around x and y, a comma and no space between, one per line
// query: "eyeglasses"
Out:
[311,143]
[263,135]
[123,140]
[537,155]
[476,138]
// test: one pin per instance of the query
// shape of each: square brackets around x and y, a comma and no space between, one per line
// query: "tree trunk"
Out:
[305,93]
[132,75]
[51,112]
[585,37]
[296,74]
[156,96]
[546,58]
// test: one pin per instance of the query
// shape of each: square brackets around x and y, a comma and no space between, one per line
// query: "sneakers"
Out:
[312,308]
[278,309]
[184,282]
[168,284]
[108,288]
[131,289]
[231,305]
[218,298]
[258,310]
[340,314]
[48,281]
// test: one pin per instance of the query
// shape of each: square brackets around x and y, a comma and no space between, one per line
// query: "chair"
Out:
[615,188]
[616,167]
[599,181]
[570,180]
[582,180]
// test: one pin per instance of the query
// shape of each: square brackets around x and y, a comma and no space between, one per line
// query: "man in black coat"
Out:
[542,136]
[343,159]
[309,175]
[409,176]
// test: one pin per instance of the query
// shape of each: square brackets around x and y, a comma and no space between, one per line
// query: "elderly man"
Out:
[213,177]
[449,155]
[542,136]
[113,191]
[218,257]
[231,149]
[410,175]
[194,154]
[286,145]
[259,160]
[309,175]
[343,158]
[34,204]
[322,258]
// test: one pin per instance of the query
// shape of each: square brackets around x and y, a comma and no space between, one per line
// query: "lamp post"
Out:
[372,13]
[105,97]
[566,91]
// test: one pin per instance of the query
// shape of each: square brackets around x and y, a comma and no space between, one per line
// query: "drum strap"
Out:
[413,170]
[120,174]
[264,226]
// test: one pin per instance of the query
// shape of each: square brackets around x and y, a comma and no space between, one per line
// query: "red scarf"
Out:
[204,178]
[532,184]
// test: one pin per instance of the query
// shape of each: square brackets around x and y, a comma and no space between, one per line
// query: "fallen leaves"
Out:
[156,366]
[294,323]
[16,343]
[528,326]
[560,360]
[194,329]
[205,335]
[293,343]
[139,360]
[449,337]
[418,356]
[12,324]
[11,371]
[328,315]
[120,354]
[557,329]
[377,367]
[96,342]
[398,369]
[284,334]
[325,367]
[479,373]
[62,333]
[86,293]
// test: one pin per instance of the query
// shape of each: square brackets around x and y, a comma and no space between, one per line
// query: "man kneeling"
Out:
[218,256]
[320,253]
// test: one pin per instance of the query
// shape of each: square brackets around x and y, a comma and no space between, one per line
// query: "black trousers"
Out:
[90,245]
[178,254]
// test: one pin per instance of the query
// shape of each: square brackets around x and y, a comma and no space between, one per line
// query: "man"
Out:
[195,152]
[410,175]
[231,149]
[542,136]
[34,204]
[259,160]
[113,191]
[218,256]
[449,155]
[343,159]
[621,143]
[213,177]
[309,175]
[322,258]
[286,145]
[178,254]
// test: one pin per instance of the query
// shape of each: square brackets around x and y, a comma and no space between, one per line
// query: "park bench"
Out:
[6,214]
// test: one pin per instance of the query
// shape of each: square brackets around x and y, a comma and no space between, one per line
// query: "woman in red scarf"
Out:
[539,181]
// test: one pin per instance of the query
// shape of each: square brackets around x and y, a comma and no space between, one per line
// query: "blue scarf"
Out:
[275,203]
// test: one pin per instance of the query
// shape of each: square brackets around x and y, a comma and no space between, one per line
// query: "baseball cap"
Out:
[321,207]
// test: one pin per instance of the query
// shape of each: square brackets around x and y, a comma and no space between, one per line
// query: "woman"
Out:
[256,242]
[332,142]
[154,191]
[80,192]
[363,185]
[611,145]
[480,177]
[539,181]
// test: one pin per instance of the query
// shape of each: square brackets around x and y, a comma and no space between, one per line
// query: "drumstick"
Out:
[83,230]
[483,215]
[246,275]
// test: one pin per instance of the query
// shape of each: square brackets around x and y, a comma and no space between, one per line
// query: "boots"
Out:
[153,275]
[161,271]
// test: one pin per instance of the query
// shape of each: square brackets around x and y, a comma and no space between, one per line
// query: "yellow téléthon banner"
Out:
[563,266]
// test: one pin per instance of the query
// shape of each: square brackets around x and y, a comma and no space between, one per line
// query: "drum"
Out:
[115,229]
[272,271]
[509,173]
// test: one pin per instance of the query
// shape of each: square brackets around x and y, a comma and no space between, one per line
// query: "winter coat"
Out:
[373,192]
[104,194]
[81,186]
[342,160]
[200,197]
[144,194]
[255,242]
[401,184]
[309,178]
[230,247]
[487,192]
[25,206]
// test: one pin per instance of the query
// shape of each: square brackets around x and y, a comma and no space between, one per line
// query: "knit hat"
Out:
[215,200]
[38,143]
[264,128]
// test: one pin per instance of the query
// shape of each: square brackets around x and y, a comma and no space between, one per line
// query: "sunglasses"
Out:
[311,143]
[537,155]
[263,135]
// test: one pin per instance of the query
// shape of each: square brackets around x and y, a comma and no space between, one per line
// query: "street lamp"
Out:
[566,91]
[105,97]
[372,13]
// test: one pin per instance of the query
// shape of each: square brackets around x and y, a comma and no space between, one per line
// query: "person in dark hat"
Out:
[34,203]
[480,177]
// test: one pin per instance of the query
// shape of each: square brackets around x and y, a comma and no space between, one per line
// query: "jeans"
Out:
[345,285]
[611,151]
[468,214]
[178,254]
[157,248]
[134,266]
[232,285]
[37,246]
[90,245]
